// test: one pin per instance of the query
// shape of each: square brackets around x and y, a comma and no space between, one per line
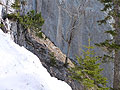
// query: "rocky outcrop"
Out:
[41,48]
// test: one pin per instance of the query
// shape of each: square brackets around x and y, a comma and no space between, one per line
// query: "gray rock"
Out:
[59,17]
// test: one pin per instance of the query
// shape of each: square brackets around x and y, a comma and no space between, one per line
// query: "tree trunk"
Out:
[116,82]
[67,55]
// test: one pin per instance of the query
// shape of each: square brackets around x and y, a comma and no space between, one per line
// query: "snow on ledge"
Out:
[22,70]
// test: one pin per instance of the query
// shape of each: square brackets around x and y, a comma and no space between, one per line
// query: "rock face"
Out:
[23,38]
[68,22]
[75,20]
[61,16]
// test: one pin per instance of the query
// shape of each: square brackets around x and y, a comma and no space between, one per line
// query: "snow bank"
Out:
[22,70]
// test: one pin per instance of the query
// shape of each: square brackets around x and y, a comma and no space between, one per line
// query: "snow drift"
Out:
[22,70]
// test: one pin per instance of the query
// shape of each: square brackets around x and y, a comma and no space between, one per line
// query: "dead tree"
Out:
[74,14]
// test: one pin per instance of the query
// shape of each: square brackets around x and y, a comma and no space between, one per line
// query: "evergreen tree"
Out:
[88,72]
[32,21]
[112,7]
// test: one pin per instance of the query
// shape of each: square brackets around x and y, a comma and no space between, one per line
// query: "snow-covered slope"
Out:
[22,70]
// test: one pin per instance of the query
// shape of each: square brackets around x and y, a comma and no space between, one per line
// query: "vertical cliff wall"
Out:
[59,17]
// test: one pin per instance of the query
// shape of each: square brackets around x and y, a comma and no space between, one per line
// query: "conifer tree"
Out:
[112,7]
[31,20]
[88,71]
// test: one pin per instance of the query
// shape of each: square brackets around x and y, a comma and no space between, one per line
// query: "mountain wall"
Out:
[75,21]
[68,23]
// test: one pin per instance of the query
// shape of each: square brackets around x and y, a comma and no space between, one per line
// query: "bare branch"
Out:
[7,6]
[74,15]
[64,38]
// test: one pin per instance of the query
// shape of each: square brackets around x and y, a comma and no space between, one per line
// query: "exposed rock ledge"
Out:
[44,49]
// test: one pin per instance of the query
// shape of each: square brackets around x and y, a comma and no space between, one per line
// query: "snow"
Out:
[22,70]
